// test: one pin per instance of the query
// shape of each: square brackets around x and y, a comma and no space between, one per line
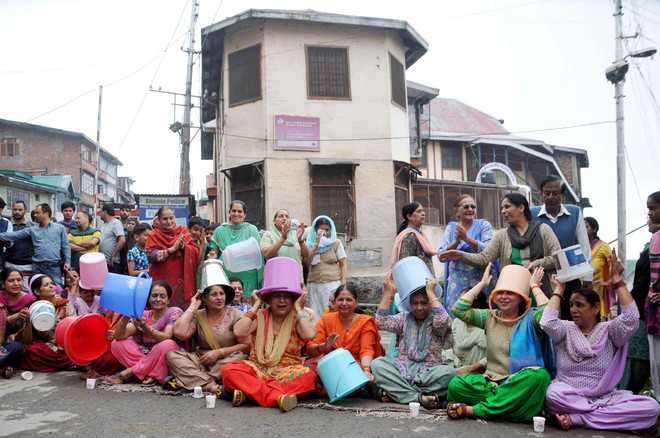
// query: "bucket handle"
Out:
[342,374]
[143,275]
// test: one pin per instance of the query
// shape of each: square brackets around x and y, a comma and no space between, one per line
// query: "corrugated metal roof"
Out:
[453,117]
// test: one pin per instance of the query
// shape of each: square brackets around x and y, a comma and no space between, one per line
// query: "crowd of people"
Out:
[498,337]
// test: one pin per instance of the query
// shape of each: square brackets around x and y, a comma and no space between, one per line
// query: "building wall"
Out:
[31,197]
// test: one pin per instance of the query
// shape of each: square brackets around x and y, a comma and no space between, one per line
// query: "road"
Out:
[59,405]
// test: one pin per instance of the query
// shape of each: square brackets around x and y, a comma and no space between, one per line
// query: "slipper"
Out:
[170,384]
[238,399]
[432,404]
[7,372]
[456,411]
[383,396]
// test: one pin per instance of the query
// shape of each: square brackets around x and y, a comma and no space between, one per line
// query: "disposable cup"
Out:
[414,409]
[27,375]
[91,383]
[197,392]
[210,401]
[539,424]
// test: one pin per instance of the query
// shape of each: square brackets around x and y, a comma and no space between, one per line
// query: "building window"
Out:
[87,184]
[398,81]
[86,153]
[100,189]
[328,74]
[248,186]
[17,195]
[9,147]
[452,156]
[245,75]
[333,194]
[401,189]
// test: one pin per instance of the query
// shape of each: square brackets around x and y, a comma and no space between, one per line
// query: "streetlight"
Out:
[616,74]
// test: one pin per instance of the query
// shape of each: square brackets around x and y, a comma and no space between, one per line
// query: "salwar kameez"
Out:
[152,364]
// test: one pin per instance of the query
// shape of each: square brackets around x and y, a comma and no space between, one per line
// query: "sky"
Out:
[538,65]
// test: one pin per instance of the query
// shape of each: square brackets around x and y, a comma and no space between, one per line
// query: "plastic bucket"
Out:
[85,339]
[340,373]
[126,295]
[410,275]
[93,270]
[243,256]
[572,264]
[42,315]
[62,327]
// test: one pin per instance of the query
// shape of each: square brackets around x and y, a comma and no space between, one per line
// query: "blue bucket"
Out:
[341,374]
[125,294]
[410,275]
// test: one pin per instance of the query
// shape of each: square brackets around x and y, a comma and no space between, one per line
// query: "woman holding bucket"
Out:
[173,257]
[326,262]
[235,231]
[524,242]
[591,357]
[214,343]
[410,242]
[14,314]
[285,240]
[274,375]
[469,234]
[41,352]
[346,329]
[514,384]
[141,344]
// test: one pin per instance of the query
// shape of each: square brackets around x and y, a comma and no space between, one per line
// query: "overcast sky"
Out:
[535,64]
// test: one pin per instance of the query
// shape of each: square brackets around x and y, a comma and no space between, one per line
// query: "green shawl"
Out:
[228,234]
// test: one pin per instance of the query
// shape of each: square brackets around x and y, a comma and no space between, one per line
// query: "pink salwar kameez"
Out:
[588,370]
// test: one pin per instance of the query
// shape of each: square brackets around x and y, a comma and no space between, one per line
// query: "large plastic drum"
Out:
[243,256]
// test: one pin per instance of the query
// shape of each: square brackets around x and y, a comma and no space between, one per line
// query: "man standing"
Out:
[49,241]
[568,224]
[68,209]
[124,217]
[5,226]
[19,255]
[112,238]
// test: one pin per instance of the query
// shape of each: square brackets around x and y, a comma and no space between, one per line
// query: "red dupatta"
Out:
[161,239]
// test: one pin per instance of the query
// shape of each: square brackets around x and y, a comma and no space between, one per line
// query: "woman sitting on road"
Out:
[591,356]
[141,343]
[214,343]
[14,315]
[513,386]
[346,329]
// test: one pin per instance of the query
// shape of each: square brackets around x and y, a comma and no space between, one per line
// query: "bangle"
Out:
[250,314]
[301,315]
[557,295]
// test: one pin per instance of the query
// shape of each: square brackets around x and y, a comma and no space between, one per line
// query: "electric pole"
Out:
[98,155]
[620,139]
[184,178]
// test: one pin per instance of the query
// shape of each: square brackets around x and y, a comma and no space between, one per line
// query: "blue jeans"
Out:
[52,269]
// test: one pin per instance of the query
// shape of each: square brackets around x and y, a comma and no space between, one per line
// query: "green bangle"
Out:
[301,315]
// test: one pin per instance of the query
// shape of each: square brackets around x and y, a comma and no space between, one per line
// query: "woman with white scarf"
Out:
[326,262]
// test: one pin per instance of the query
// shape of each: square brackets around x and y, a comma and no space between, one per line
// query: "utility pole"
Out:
[184,178]
[620,139]
[98,155]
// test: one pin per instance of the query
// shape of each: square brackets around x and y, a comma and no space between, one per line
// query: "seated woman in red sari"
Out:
[141,344]
[274,375]
[347,329]
[41,353]
[173,257]
[13,316]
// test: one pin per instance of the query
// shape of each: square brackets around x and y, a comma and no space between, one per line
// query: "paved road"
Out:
[59,405]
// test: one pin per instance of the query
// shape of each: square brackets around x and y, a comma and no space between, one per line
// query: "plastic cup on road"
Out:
[27,375]
[414,409]
[197,392]
[539,424]
[210,401]
[91,383]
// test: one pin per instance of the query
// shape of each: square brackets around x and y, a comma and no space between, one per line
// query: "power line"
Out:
[62,105]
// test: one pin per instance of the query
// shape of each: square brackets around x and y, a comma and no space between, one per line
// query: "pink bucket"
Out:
[93,269]
[281,274]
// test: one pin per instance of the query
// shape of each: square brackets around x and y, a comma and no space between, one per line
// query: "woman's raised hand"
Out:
[537,277]
[300,231]
[461,234]
[300,302]
[195,301]
[487,277]
[450,255]
[389,287]
[557,286]
[330,342]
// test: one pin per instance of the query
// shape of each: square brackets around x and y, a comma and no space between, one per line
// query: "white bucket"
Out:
[572,264]
[42,315]
[243,256]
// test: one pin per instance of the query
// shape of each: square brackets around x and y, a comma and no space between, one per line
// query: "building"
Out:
[34,190]
[124,190]
[314,119]
[41,150]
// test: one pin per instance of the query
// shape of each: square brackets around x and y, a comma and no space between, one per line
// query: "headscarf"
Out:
[421,238]
[531,238]
[326,242]
[269,348]
[417,338]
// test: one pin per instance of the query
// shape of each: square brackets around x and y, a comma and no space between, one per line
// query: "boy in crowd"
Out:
[137,256]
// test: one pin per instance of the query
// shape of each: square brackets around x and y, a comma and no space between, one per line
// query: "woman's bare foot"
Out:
[564,421]
[211,388]
[149,381]
[118,378]
[456,411]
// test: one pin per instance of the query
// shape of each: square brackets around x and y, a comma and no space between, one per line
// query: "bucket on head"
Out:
[341,374]
[410,275]
[243,256]
[126,295]
[572,264]
[93,269]
[42,315]
[86,338]
[281,274]
[213,274]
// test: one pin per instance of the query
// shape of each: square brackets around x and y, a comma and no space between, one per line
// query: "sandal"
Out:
[170,384]
[383,396]
[238,399]
[7,372]
[287,402]
[456,411]
[430,404]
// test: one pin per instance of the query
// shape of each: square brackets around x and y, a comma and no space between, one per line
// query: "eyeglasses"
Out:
[468,206]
